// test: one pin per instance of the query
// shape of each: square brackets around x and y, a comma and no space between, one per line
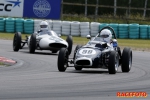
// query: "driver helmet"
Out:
[106,35]
[44,25]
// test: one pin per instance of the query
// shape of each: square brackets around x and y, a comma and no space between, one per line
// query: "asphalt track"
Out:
[36,77]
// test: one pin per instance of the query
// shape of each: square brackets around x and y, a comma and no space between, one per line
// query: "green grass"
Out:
[1,63]
[136,44]
[109,18]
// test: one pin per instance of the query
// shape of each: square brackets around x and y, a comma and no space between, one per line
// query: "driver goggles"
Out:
[43,26]
[104,36]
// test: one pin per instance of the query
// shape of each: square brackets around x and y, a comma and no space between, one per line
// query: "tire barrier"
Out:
[37,25]
[50,22]
[66,28]
[28,26]
[75,28]
[2,24]
[102,25]
[94,26]
[123,31]
[149,31]
[133,31]
[115,27]
[143,31]
[84,29]
[10,25]
[19,25]
[57,26]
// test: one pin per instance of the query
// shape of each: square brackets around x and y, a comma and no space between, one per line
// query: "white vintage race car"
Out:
[43,40]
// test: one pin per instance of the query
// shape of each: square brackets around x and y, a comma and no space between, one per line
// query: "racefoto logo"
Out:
[41,8]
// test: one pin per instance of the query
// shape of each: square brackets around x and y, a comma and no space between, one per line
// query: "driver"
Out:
[106,36]
[44,28]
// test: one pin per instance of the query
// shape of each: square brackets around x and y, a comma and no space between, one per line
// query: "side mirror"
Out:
[88,36]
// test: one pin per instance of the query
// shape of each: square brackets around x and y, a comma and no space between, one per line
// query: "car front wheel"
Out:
[113,62]
[62,62]
[17,41]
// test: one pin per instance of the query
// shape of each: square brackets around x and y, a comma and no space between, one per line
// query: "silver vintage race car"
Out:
[102,51]
[44,39]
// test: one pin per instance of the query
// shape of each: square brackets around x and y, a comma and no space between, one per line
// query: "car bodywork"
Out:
[98,54]
[42,40]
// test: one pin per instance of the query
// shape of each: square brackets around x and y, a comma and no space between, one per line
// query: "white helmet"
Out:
[44,25]
[106,35]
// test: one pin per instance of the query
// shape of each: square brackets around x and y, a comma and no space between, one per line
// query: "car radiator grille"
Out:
[83,62]
[57,45]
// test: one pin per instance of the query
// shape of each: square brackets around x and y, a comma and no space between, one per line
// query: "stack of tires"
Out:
[19,25]
[75,28]
[50,22]
[149,31]
[133,31]
[123,31]
[29,26]
[102,25]
[37,25]
[84,29]
[2,24]
[94,26]
[10,25]
[66,27]
[115,27]
[57,26]
[143,31]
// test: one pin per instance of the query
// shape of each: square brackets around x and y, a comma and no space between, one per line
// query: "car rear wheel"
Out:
[17,41]
[70,42]
[126,60]
[113,62]
[32,45]
[62,62]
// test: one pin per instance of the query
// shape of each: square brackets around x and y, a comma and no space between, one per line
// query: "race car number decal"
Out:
[87,52]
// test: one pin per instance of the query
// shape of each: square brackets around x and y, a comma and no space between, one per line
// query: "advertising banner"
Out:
[11,8]
[46,9]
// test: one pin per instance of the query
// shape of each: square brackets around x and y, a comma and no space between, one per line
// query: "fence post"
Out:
[96,9]
[61,10]
[145,7]
[129,9]
[115,9]
[85,8]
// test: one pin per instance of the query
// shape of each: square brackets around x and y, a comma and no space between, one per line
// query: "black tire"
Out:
[62,62]
[32,45]
[113,62]
[17,41]
[126,60]
[70,43]
[77,47]
[78,68]
[54,51]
